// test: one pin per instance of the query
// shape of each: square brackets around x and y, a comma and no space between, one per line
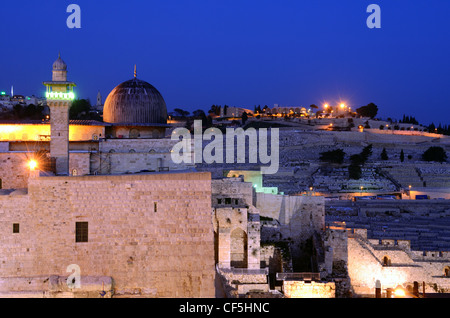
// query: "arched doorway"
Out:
[238,249]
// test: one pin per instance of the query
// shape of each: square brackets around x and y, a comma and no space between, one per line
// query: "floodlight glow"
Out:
[400,292]
[32,164]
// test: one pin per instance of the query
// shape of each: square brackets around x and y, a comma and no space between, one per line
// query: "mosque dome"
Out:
[59,64]
[135,102]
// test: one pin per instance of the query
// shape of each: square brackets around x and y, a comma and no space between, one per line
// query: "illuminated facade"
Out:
[88,147]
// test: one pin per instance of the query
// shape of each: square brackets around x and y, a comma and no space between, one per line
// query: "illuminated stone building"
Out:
[131,139]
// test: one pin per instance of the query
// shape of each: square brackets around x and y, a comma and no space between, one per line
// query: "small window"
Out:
[236,201]
[155,207]
[81,235]
[219,201]
[227,200]
[0,183]
[16,228]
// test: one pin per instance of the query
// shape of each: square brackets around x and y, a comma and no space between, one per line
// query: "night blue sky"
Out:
[239,52]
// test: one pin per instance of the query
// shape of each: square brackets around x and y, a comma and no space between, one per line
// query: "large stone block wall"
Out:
[167,253]
[14,171]
[299,216]
[79,163]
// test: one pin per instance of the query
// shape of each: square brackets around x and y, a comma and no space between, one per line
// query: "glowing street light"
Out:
[399,292]
[342,105]
[32,164]
[326,106]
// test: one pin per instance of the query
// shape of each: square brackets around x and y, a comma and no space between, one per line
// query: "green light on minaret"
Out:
[60,96]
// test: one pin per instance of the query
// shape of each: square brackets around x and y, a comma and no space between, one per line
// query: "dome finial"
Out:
[135,71]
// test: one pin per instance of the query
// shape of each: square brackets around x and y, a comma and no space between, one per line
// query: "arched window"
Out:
[134,133]
[74,172]
[386,261]
[447,271]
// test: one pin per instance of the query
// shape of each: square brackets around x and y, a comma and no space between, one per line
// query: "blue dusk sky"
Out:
[239,52]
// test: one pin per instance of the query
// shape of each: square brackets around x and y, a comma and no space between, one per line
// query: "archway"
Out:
[238,249]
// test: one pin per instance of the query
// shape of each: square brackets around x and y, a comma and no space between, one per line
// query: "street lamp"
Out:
[32,164]
[409,193]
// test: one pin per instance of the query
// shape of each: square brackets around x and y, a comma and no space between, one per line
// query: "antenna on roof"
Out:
[135,71]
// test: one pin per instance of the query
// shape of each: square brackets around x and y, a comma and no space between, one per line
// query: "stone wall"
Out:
[298,216]
[302,289]
[79,163]
[14,171]
[393,264]
[151,233]
[233,188]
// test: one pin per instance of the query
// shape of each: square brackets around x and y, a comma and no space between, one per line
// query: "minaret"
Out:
[59,99]
[99,99]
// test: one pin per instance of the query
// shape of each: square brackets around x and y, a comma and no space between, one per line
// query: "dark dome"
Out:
[135,102]
[59,64]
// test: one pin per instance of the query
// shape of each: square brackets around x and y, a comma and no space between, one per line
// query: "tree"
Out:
[366,153]
[384,155]
[209,122]
[181,113]
[80,109]
[435,154]
[370,110]
[402,156]
[354,172]
[333,156]
[198,113]
[244,118]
